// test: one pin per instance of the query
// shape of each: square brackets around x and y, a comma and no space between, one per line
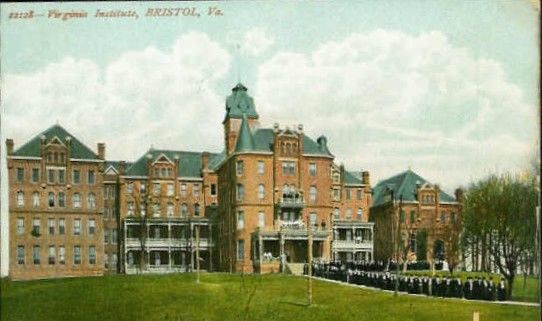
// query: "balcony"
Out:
[352,244]
[156,242]
[291,200]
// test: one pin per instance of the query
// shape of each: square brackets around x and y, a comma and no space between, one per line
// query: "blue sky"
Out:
[447,88]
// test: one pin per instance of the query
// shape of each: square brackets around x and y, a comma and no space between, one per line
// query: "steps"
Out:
[295,268]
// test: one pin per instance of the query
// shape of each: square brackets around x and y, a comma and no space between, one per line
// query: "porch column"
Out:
[210,247]
[169,257]
[260,247]
[282,256]
[124,252]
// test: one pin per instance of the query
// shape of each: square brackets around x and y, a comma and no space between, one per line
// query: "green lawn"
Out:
[225,297]
[528,292]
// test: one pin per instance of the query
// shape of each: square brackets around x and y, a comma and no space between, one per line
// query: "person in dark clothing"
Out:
[501,291]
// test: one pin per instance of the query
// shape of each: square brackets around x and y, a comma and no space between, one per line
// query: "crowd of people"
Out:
[369,274]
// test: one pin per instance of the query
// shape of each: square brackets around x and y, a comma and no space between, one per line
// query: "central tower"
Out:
[239,103]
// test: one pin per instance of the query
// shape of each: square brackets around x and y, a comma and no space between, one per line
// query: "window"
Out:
[61,226]
[77,226]
[239,167]
[91,226]
[183,190]
[142,188]
[61,254]
[312,193]
[35,175]
[184,210]
[402,216]
[163,172]
[61,199]
[261,167]
[412,216]
[312,169]
[359,194]
[213,189]
[50,176]
[107,235]
[20,254]
[130,208]
[336,194]
[336,178]
[313,218]
[51,198]
[114,260]
[35,199]
[170,189]
[443,217]
[156,209]
[36,226]
[336,214]
[142,209]
[20,174]
[348,193]
[92,254]
[261,191]
[61,176]
[20,226]
[240,192]
[52,254]
[240,250]
[91,178]
[114,236]
[348,214]
[77,254]
[76,176]
[261,219]
[169,209]
[453,218]
[360,214]
[76,200]
[36,254]
[130,187]
[106,261]
[288,168]
[196,209]
[91,201]
[240,220]
[20,198]
[156,188]
[51,226]
[196,189]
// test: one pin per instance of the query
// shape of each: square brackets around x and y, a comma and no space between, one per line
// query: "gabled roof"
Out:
[352,178]
[245,141]
[190,163]
[404,184]
[32,147]
[263,141]
[239,103]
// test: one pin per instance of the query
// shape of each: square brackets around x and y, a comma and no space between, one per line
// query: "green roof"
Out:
[190,163]
[351,178]
[404,184]
[239,103]
[32,147]
[245,141]
[263,141]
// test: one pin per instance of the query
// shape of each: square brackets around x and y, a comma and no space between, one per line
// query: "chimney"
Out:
[204,160]
[101,150]
[322,142]
[9,146]
[459,195]
[365,178]
[122,167]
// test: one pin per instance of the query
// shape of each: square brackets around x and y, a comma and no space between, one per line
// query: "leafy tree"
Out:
[499,213]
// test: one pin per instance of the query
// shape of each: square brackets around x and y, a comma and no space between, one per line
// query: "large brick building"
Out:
[425,219]
[244,209]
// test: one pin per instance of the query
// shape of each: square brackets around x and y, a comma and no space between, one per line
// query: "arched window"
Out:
[61,199]
[261,191]
[169,209]
[360,214]
[312,193]
[35,199]
[20,198]
[196,209]
[51,198]
[184,210]
[55,156]
[336,214]
[91,201]
[348,214]
[76,200]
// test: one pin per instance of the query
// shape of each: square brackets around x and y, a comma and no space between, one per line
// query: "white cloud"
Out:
[387,100]
[256,41]
[143,97]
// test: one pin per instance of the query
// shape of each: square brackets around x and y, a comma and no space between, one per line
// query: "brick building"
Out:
[244,209]
[425,218]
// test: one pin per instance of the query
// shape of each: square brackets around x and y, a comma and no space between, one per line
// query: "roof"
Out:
[32,147]
[239,103]
[404,184]
[190,163]
[351,178]
[263,141]
[245,141]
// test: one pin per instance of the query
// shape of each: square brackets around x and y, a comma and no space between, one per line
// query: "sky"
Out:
[448,89]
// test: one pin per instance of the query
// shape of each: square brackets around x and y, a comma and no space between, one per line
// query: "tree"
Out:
[499,213]
[452,248]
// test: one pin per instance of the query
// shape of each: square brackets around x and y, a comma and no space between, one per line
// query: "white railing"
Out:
[342,244]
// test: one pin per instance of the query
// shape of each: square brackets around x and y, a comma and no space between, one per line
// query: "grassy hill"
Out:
[227,297]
